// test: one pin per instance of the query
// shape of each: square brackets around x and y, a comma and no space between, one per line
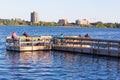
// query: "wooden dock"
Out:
[68,43]
[89,46]
[28,44]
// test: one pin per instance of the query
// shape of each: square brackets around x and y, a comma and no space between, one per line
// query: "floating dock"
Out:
[68,43]
[87,45]
[23,43]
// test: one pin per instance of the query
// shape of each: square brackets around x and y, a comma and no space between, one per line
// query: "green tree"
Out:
[100,25]
[109,25]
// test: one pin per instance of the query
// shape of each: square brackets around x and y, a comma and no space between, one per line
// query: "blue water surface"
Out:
[56,65]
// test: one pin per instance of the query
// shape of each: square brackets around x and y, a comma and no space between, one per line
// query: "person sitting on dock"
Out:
[87,36]
[61,36]
[14,36]
[27,36]
[80,35]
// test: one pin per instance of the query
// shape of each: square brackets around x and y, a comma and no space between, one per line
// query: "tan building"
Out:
[18,19]
[62,22]
[34,17]
[82,22]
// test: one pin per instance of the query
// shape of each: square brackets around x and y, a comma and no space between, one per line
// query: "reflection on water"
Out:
[30,57]
[53,65]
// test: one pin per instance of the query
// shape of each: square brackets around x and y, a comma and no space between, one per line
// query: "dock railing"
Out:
[28,43]
[88,45]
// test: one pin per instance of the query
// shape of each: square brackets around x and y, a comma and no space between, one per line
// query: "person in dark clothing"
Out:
[87,36]
[25,34]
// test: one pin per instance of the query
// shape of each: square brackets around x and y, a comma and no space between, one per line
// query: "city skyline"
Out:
[105,11]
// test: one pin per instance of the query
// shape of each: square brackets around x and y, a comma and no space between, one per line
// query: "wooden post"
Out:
[19,42]
[108,48]
[98,47]
[119,49]
[32,43]
[81,45]
[73,46]
[91,47]
[73,42]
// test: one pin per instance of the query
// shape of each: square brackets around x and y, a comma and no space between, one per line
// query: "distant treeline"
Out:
[98,24]
[26,23]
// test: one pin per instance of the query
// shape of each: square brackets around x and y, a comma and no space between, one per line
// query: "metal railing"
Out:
[88,45]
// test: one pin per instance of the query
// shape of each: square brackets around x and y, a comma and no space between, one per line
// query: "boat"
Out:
[23,43]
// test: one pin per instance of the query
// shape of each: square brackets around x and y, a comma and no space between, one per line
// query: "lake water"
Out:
[56,65]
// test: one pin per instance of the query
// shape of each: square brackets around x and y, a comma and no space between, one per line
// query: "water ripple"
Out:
[54,65]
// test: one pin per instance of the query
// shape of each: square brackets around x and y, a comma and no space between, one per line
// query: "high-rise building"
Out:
[34,17]
[82,22]
[62,22]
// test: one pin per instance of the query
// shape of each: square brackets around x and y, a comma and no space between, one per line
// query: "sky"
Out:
[53,10]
